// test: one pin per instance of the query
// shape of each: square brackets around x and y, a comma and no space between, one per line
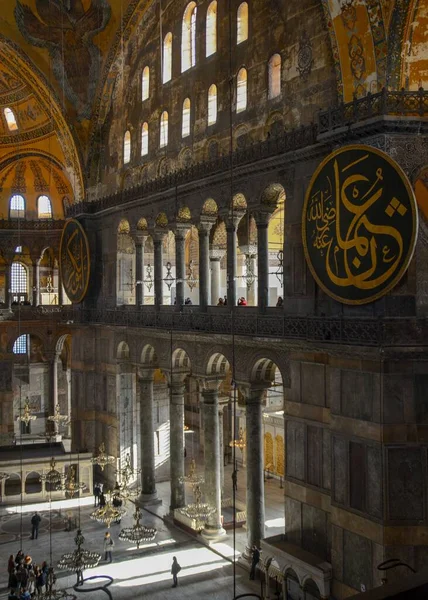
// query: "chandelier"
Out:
[108,514]
[4,475]
[240,442]
[149,278]
[53,476]
[58,418]
[102,459]
[69,484]
[191,279]
[126,472]
[198,511]
[280,270]
[137,534]
[192,477]
[123,492]
[26,416]
[79,559]
[51,593]
[169,279]
[250,275]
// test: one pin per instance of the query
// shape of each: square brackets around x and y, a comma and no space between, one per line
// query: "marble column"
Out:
[158,267]
[213,529]
[36,283]
[53,368]
[215,259]
[232,222]
[262,221]
[60,290]
[204,229]
[176,419]
[7,286]
[180,266]
[139,271]
[147,442]
[254,456]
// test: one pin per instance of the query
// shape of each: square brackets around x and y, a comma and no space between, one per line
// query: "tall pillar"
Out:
[60,290]
[147,442]
[232,222]
[180,266]
[215,258]
[204,229]
[213,529]
[254,456]
[53,369]
[158,266]
[176,419]
[139,270]
[36,283]
[7,286]
[223,402]
[262,221]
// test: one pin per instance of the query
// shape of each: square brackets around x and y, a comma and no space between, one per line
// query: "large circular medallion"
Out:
[74,260]
[359,224]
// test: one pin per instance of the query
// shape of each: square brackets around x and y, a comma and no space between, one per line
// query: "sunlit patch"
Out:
[279,522]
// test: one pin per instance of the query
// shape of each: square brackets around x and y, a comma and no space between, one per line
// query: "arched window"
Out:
[185,128]
[274,76]
[188,37]
[9,115]
[242,23]
[127,147]
[241,90]
[212,104]
[18,281]
[164,129]
[17,207]
[44,208]
[144,139]
[21,344]
[167,58]
[211,29]
[145,84]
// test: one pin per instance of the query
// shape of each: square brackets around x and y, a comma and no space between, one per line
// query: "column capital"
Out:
[140,238]
[158,234]
[209,386]
[217,253]
[262,215]
[253,393]
[144,374]
[180,229]
[205,224]
[250,249]
[232,217]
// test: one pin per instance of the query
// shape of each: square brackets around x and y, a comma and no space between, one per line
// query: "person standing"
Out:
[254,561]
[235,480]
[101,501]
[108,547]
[175,569]
[35,522]
[97,492]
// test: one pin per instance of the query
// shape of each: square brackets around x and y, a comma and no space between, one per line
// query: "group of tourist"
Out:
[26,580]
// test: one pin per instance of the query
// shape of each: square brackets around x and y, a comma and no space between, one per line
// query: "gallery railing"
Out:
[373,105]
[356,331]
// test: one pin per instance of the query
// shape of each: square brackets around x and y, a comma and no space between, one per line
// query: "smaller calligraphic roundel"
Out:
[74,260]
[359,224]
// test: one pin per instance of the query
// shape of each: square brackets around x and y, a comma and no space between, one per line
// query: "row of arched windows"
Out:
[188,40]
[274,90]
[17,207]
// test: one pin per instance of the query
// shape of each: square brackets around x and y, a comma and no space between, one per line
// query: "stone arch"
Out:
[13,485]
[239,202]
[210,208]
[180,359]
[291,579]
[33,484]
[37,338]
[124,227]
[142,224]
[59,346]
[263,371]
[161,220]
[272,194]
[148,356]
[184,215]
[123,352]
[217,364]
[309,585]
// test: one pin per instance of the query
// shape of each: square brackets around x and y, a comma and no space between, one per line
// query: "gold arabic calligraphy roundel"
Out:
[359,224]
[74,260]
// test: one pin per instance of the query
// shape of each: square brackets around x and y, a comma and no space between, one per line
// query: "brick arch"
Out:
[259,367]
[148,356]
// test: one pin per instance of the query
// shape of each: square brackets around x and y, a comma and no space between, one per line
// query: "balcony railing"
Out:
[385,332]
[373,105]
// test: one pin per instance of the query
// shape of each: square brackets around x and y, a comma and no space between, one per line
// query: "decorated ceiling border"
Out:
[397,30]
[334,48]
[15,60]
[377,25]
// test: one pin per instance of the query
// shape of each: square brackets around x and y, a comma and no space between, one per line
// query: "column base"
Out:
[148,499]
[210,536]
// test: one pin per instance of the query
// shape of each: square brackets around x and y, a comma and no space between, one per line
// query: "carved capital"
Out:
[216,253]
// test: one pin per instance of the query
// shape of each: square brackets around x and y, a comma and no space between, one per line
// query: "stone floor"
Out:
[206,571]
